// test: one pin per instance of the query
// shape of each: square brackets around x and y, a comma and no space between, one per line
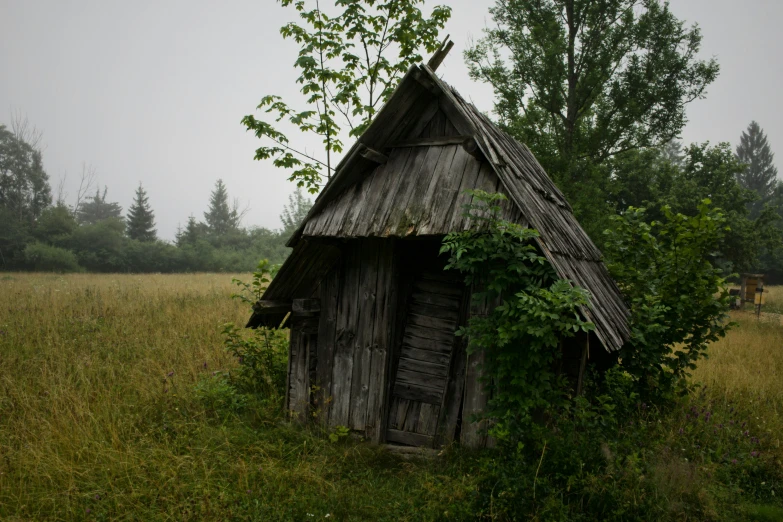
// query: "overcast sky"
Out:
[154,91]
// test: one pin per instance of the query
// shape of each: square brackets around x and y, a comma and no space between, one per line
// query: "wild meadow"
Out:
[114,405]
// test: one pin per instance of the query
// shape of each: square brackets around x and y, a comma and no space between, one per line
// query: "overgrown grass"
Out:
[100,418]
[109,410]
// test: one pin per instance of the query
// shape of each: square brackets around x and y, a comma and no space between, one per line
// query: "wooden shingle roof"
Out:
[419,190]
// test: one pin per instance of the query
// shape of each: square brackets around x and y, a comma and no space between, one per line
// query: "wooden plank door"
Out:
[422,368]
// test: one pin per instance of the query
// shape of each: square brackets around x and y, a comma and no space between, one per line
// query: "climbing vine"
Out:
[522,312]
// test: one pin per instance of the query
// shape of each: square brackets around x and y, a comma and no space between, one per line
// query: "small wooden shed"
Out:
[372,312]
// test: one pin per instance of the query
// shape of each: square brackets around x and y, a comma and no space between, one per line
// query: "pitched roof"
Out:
[346,208]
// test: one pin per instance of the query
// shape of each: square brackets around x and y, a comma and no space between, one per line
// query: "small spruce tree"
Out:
[191,233]
[760,174]
[141,219]
[221,217]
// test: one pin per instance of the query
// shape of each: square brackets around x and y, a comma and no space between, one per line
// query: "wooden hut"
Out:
[372,312]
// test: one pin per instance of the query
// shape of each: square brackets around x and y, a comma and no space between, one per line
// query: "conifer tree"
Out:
[221,217]
[760,174]
[141,219]
[191,233]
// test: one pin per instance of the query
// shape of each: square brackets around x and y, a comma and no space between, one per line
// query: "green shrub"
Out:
[218,396]
[263,352]
[263,360]
[47,258]
[679,300]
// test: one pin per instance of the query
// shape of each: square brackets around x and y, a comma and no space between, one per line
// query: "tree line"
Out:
[39,231]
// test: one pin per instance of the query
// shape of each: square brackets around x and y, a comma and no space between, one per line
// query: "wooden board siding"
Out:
[302,359]
[474,430]
[425,359]
[354,352]
[418,192]
[440,125]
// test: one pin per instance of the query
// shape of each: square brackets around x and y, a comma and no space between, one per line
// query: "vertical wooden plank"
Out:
[412,418]
[452,399]
[291,350]
[404,285]
[474,432]
[428,419]
[383,333]
[363,346]
[329,294]
[347,318]
[298,398]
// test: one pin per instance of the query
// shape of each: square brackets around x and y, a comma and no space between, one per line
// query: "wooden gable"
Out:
[420,190]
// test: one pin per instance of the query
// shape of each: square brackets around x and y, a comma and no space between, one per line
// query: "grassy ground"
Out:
[100,418]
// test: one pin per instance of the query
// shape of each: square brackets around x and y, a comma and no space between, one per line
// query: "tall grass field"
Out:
[108,393]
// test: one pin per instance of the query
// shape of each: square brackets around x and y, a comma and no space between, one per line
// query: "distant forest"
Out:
[40,231]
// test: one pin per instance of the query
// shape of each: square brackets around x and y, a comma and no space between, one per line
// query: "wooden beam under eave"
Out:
[306,307]
[373,155]
[430,142]
[264,307]
[471,146]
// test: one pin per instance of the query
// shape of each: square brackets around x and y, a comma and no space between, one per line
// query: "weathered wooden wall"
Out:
[358,299]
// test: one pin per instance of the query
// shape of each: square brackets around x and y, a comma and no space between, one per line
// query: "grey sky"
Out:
[154,91]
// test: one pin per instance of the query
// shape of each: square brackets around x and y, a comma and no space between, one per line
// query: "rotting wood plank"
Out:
[428,419]
[347,319]
[298,396]
[437,312]
[327,325]
[434,341]
[436,366]
[412,418]
[410,121]
[434,300]
[408,438]
[448,326]
[452,399]
[403,405]
[436,288]
[307,305]
[434,369]
[416,393]
[419,379]
[474,404]
[394,196]
[457,207]
[429,356]
[423,121]
[382,179]
[417,207]
[362,350]
[440,215]
[430,141]
[373,155]
[264,307]
[386,300]
[402,218]
[440,177]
